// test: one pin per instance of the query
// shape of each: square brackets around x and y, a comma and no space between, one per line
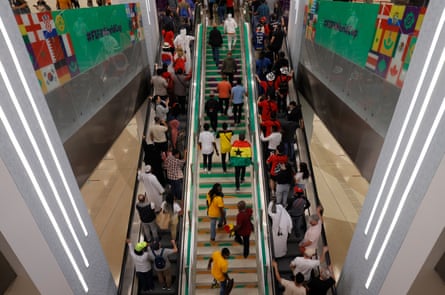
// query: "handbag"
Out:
[163,220]
[230,111]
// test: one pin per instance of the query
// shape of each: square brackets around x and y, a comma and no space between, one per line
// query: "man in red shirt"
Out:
[243,227]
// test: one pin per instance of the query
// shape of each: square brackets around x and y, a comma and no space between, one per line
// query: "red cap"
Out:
[263,19]
[298,189]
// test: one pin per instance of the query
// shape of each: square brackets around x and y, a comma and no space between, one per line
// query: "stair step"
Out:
[237,290]
[239,264]
[227,197]
[228,176]
[240,278]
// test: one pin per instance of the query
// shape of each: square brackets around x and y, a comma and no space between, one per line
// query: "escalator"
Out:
[251,274]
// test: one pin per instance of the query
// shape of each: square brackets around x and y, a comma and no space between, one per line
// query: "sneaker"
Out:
[242,181]
[205,169]
[237,190]
[169,289]
[164,287]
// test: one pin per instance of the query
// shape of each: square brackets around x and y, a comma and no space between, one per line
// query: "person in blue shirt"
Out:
[238,93]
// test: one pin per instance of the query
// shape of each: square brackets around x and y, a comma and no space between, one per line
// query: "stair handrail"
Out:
[261,225]
[189,230]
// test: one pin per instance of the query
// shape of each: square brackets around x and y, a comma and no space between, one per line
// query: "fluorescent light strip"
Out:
[405,123]
[297,8]
[27,167]
[42,126]
[35,146]
[147,7]
[413,177]
[407,150]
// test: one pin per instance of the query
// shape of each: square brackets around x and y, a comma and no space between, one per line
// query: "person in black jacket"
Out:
[147,216]
[215,40]
[211,109]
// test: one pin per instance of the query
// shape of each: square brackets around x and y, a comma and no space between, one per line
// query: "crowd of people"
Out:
[160,205]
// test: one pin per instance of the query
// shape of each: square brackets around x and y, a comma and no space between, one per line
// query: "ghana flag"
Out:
[240,153]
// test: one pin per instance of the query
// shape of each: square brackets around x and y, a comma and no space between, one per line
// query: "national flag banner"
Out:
[419,21]
[32,56]
[401,48]
[394,70]
[371,62]
[383,14]
[402,75]
[33,27]
[396,15]
[377,40]
[73,66]
[55,49]
[47,24]
[389,41]
[49,75]
[67,45]
[63,72]
[408,23]
[41,82]
[383,65]
[240,153]
[410,50]
[41,53]
[20,24]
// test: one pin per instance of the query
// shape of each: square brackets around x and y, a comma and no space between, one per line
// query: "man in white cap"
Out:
[153,187]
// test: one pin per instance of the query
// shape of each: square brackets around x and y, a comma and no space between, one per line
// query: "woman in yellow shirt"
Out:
[215,209]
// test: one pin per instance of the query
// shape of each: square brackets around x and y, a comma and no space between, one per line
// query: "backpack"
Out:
[159,259]
[283,86]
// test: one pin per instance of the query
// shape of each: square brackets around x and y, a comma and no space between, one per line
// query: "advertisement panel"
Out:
[347,29]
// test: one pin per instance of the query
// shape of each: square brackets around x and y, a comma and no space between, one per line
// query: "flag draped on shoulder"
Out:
[240,153]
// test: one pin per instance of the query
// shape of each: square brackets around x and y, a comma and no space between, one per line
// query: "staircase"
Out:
[244,271]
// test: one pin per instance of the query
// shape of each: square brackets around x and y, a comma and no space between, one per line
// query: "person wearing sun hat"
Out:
[142,265]
[297,207]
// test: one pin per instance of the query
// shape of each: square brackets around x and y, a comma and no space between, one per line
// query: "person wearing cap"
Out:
[295,287]
[312,235]
[262,66]
[211,108]
[240,158]
[164,274]
[142,265]
[147,215]
[215,41]
[219,266]
[267,105]
[153,189]
[237,95]
[297,207]
[305,264]
[282,87]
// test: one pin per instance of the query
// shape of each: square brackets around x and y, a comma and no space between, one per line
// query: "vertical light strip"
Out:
[35,146]
[297,8]
[42,126]
[147,5]
[405,195]
[407,150]
[405,123]
[27,167]
[38,152]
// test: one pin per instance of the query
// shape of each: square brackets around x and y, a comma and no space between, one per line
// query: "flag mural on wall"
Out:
[310,19]
[63,44]
[397,28]
[385,50]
